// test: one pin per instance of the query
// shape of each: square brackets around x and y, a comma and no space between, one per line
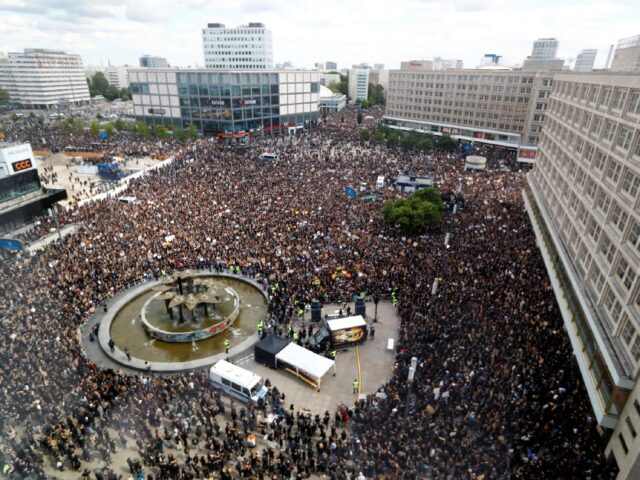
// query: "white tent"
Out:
[305,364]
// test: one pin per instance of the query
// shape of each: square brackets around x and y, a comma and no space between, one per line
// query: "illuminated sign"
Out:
[527,153]
[21,165]
[249,101]
[156,111]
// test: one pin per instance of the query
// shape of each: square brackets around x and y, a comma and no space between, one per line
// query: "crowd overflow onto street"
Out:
[496,393]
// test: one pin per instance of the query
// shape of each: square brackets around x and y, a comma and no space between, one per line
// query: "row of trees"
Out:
[99,85]
[415,213]
[411,140]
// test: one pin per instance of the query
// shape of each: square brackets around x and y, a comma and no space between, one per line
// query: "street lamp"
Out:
[376,300]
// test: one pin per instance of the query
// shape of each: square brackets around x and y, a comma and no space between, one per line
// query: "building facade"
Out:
[39,78]
[153,61]
[447,64]
[22,197]
[585,60]
[247,47]
[118,76]
[226,102]
[497,107]
[627,55]
[358,84]
[331,102]
[582,197]
[545,49]
[329,66]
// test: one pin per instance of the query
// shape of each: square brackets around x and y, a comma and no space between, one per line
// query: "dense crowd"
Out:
[496,395]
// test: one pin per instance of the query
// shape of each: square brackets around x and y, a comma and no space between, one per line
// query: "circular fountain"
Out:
[182,322]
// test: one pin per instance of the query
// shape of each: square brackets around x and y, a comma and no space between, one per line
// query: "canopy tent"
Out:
[265,351]
[305,364]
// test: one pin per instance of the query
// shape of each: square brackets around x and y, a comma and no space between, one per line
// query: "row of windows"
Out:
[509,79]
[606,97]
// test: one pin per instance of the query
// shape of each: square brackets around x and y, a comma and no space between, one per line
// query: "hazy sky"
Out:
[305,32]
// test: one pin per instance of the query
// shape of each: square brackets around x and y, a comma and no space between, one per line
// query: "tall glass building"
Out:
[226,101]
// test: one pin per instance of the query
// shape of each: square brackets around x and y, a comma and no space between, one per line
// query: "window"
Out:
[613,170]
[609,131]
[628,332]
[634,104]
[630,183]
[632,430]
[623,443]
[618,100]
[619,217]
[634,235]
[607,249]
[624,138]
[636,405]
[635,349]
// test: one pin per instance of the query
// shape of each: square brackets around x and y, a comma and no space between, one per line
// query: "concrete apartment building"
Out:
[248,47]
[583,199]
[41,78]
[153,61]
[358,84]
[545,49]
[497,107]
[585,60]
[627,55]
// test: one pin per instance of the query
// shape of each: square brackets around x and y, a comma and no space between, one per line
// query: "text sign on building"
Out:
[21,165]
[156,111]
[249,101]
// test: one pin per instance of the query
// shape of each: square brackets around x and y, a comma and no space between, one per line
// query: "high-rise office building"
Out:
[40,78]
[226,102]
[585,60]
[248,47]
[582,197]
[152,61]
[358,84]
[545,49]
[447,64]
[496,107]
[330,66]
[627,55]
[118,75]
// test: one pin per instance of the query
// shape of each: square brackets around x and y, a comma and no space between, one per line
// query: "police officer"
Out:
[356,386]
[333,354]
[227,344]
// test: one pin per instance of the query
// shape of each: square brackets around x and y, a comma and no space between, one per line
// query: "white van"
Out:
[268,156]
[380,181]
[129,200]
[237,382]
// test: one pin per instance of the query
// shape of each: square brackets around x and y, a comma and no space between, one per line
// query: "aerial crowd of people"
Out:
[496,394]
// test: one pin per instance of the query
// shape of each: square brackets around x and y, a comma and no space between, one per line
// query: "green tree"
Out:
[99,85]
[413,214]
[161,132]
[445,142]
[340,87]
[393,138]
[109,129]
[179,134]
[142,129]
[111,93]
[375,95]
[365,135]
[409,141]
[125,94]
[94,128]
[119,124]
[359,117]
[192,132]
[431,195]
[426,144]
[4,96]
[378,136]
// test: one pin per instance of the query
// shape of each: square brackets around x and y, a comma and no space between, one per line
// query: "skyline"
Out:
[305,34]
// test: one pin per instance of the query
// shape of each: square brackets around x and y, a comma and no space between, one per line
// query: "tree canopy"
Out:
[416,212]
[99,85]
[340,87]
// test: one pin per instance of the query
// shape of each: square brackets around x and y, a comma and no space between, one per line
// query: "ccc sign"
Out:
[21,165]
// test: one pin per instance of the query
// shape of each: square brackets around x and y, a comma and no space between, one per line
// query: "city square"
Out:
[251,269]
